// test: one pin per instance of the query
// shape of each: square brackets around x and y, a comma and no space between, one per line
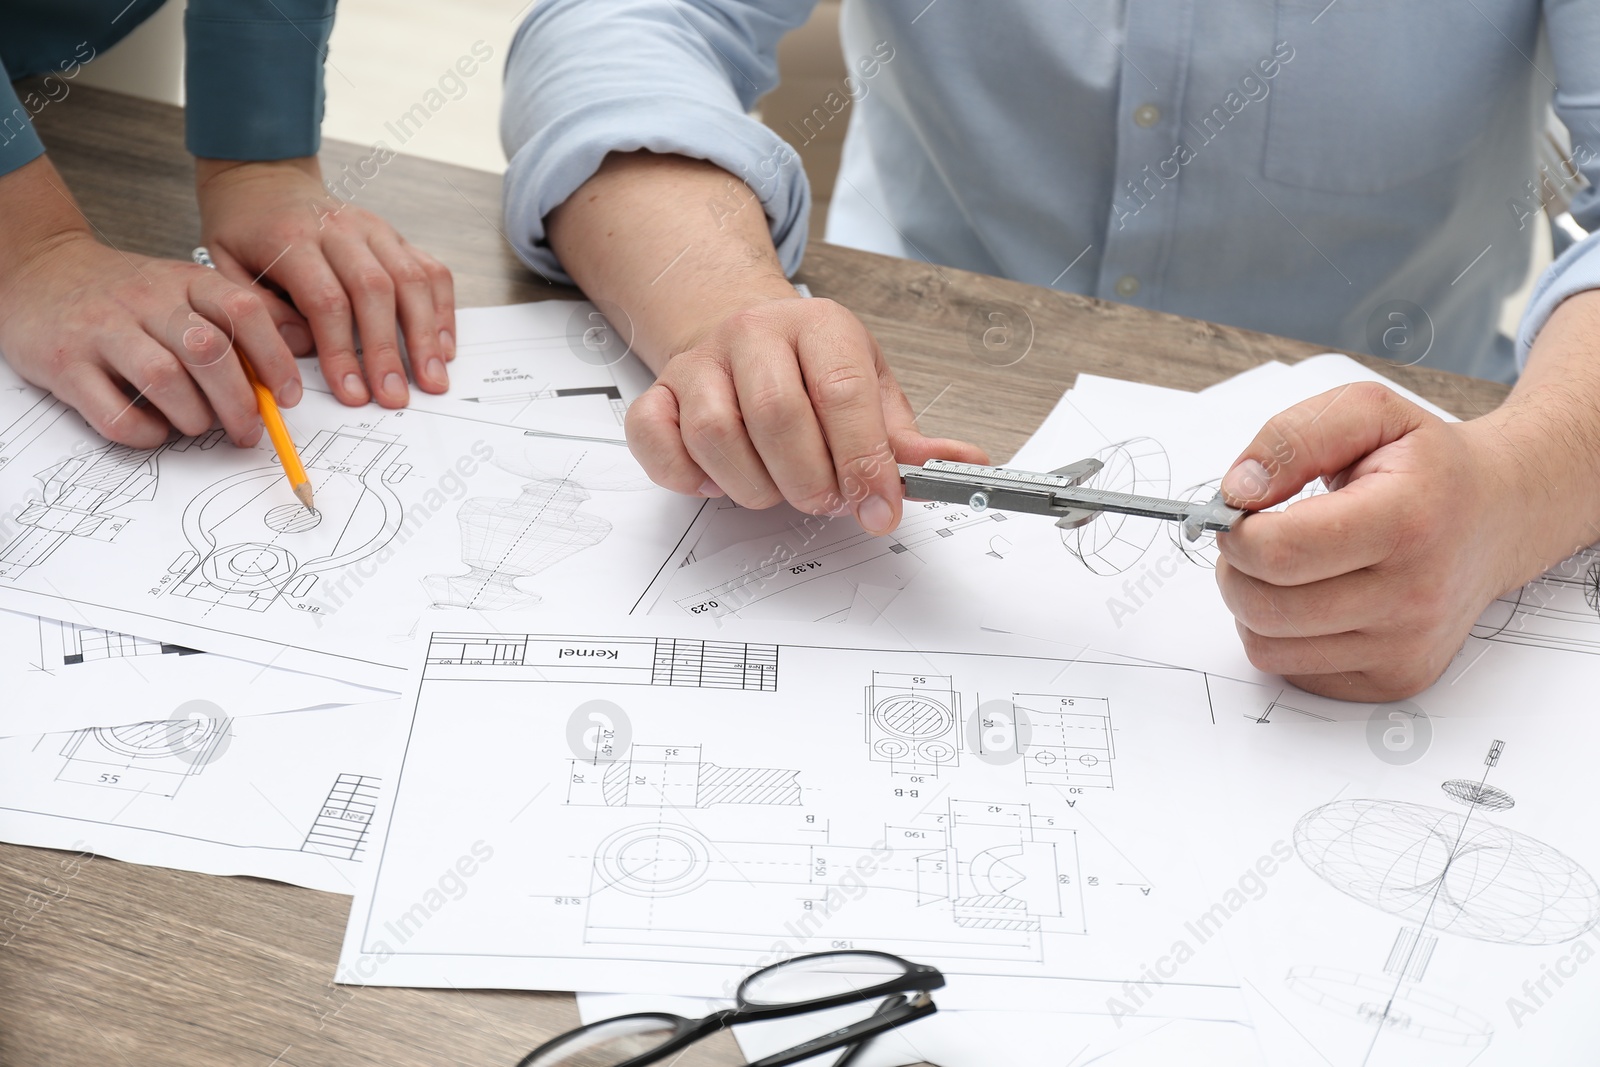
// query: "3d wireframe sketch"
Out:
[503,540]
[1446,872]
[81,495]
[1113,543]
[675,776]
[248,547]
[153,758]
[913,721]
[1558,611]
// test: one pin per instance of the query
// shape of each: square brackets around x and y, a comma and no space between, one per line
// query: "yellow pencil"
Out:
[271,417]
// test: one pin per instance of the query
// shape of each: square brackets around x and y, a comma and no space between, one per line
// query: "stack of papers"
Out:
[659,742]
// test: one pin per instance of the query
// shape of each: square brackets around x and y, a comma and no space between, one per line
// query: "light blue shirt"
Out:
[1303,167]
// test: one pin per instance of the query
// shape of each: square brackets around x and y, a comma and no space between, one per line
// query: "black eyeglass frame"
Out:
[911,989]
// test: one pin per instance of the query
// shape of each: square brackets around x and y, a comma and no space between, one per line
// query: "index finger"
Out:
[1320,537]
[840,370]
[254,334]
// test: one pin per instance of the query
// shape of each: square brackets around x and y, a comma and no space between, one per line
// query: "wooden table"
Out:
[138,965]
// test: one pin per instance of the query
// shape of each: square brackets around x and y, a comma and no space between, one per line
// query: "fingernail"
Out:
[448,343]
[290,394]
[252,437]
[355,387]
[875,515]
[295,336]
[1247,481]
[394,386]
[436,371]
[710,488]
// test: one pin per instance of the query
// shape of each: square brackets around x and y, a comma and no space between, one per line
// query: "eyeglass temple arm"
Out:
[896,1011]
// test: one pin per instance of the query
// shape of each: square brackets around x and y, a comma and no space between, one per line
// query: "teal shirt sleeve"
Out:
[19,141]
[254,79]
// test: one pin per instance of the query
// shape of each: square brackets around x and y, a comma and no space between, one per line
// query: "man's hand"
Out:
[1367,592]
[342,266]
[788,399]
[103,329]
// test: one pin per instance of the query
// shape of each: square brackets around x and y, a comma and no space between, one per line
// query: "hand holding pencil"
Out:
[271,417]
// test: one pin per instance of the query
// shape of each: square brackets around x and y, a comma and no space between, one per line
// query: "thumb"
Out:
[1318,438]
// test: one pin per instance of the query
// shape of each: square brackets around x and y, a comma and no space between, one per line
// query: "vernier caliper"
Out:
[1060,493]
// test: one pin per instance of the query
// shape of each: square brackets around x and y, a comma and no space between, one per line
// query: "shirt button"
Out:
[1146,115]
[1127,285]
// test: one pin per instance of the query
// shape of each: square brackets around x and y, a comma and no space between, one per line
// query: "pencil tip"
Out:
[303,492]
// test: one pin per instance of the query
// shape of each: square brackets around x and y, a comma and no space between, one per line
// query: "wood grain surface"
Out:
[104,962]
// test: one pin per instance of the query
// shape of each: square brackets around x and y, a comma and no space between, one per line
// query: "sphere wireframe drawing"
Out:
[1451,871]
[1112,543]
[1478,795]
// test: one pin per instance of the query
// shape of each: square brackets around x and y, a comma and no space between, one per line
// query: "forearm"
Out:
[39,213]
[678,244]
[1549,428]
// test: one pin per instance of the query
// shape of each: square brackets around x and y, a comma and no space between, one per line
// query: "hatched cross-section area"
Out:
[341,825]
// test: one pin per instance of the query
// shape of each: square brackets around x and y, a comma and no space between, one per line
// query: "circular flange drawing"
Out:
[292,519]
[654,861]
[1449,870]
[1478,795]
[151,740]
[913,716]
[248,566]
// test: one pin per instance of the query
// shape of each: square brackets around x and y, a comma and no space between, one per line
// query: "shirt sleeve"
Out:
[589,77]
[19,141]
[254,77]
[1574,31]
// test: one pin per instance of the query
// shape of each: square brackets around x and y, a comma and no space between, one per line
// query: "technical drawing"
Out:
[503,539]
[974,874]
[913,722]
[341,826]
[81,495]
[153,758]
[248,548]
[1558,611]
[1113,542]
[27,427]
[1445,871]
[675,777]
[1277,710]
[1070,742]
[85,644]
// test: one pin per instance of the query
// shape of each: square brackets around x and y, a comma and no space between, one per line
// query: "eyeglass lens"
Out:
[816,977]
[609,1043]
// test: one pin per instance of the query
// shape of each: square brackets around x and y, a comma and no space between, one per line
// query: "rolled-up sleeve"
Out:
[588,77]
[254,77]
[1574,31]
[19,141]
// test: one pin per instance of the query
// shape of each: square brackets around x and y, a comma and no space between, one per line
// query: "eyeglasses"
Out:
[804,984]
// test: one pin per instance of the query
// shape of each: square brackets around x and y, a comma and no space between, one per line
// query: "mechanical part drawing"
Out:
[27,427]
[676,777]
[1115,542]
[249,549]
[1453,872]
[1070,742]
[153,758]
[975,872]
[913,722]
[81,495]
[345,818]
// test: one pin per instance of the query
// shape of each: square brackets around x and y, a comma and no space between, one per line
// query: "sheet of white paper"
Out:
[201,542]
[778,795]
[62,676]
[524,364]
[1435,905]
[292,797]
